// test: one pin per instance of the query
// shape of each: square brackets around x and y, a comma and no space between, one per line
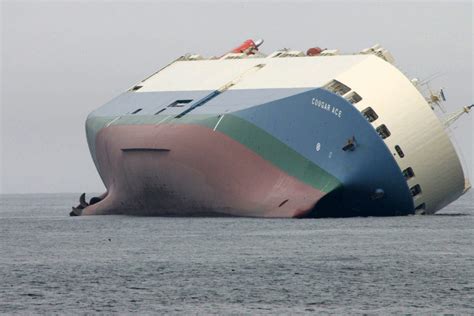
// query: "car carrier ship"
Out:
[289,134]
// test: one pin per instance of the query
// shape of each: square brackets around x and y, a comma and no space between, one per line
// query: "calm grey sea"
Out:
[53,263]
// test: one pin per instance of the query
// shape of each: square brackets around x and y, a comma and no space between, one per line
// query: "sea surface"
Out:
[51,263]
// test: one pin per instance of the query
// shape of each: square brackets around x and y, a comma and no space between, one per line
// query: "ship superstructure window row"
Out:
[353,97]
[337,87]
[399,151]
[370,114]
[408,173]
[383,131]
[415,190]
[136,111]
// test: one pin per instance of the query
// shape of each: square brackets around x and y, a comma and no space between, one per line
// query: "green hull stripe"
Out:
[274,151]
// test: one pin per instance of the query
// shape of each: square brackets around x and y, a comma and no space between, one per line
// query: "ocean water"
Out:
[51,263]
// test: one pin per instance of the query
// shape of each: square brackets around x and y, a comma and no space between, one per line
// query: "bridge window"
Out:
[415,190]
[136,111]
[370,114]
[383,131]
[408,173]
[399,151]
[353,97]
[337,87]
[179,103]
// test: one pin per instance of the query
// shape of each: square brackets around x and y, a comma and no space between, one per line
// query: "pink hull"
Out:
[191,170]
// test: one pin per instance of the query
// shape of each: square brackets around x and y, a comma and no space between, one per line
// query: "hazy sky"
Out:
[61,60]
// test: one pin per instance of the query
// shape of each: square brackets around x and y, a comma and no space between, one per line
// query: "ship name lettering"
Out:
[326,106]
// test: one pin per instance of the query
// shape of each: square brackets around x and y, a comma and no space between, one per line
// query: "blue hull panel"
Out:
[318,124]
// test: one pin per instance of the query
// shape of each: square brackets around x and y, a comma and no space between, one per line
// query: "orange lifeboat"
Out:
[248,47]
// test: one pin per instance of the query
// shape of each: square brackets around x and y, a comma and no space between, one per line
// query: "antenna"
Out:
[454,116]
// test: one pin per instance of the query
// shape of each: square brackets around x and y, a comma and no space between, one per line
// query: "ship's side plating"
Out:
[418,140]
[305,116]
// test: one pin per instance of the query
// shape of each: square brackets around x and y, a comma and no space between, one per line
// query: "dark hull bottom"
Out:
[191,170]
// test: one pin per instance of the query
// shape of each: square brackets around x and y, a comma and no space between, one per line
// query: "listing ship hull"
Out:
[177,145]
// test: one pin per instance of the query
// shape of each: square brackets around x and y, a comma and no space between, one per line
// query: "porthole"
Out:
[353,97]
[337,87]
[408,173]
[383,131]
[415,190]
[399,151]
[370,114]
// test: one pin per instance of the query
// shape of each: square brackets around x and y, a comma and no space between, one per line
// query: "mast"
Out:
[454,116]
